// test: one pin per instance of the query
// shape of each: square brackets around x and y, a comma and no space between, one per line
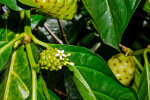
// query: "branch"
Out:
[27,29]
[62,31]
[12,42]
[60,92]
[52,34]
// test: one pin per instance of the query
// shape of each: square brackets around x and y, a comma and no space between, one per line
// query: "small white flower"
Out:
[60,54]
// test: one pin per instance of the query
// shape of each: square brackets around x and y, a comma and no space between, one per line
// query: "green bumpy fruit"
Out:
[60,9]
[123,67]
[53,59]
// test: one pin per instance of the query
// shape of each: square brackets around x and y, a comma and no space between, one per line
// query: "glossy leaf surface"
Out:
[143,89]
[35,19]
[12,4]
[16,81]
[94,79]
[111,17]
[71,48]
[4,55]
[40,93]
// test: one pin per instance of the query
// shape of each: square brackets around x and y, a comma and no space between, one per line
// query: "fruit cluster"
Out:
[123,67]
[53,59]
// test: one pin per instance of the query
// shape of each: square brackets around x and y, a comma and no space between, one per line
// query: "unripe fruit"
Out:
[53,59]
[123,67]
[60,9]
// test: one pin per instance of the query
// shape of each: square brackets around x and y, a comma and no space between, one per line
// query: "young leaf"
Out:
[16,80]
[4,55]
[111,17]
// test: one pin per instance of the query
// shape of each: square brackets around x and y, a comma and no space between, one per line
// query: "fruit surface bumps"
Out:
[49,61]
[53,59]
[60,9]
[123,67]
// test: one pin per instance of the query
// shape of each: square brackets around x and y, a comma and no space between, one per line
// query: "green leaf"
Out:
[3,33]
[40,93]
[35,19]
[28,2]
[70,86]
[16,80]
[143,91]
[144,83]
[6,34]
[43,92]
[12,4]
[82,85]
[111,17]
[4,55]
[93,77]
[71,48]
[53,96]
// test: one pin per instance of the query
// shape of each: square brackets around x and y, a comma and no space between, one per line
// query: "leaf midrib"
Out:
[92,70]
[9,76]
[83,81]
[103,95]
[10,71]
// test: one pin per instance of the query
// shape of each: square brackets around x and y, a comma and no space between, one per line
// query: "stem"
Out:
[138,52]
[36,41]
[62,31]
[52,34]
[138,63]
[60,92]
[27,29]
[11,42]
[147,71]
[133,53]
[127,52]
[34,76]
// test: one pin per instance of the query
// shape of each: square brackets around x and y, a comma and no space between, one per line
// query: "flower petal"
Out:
[57,54]
[63,55]
[60,57]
